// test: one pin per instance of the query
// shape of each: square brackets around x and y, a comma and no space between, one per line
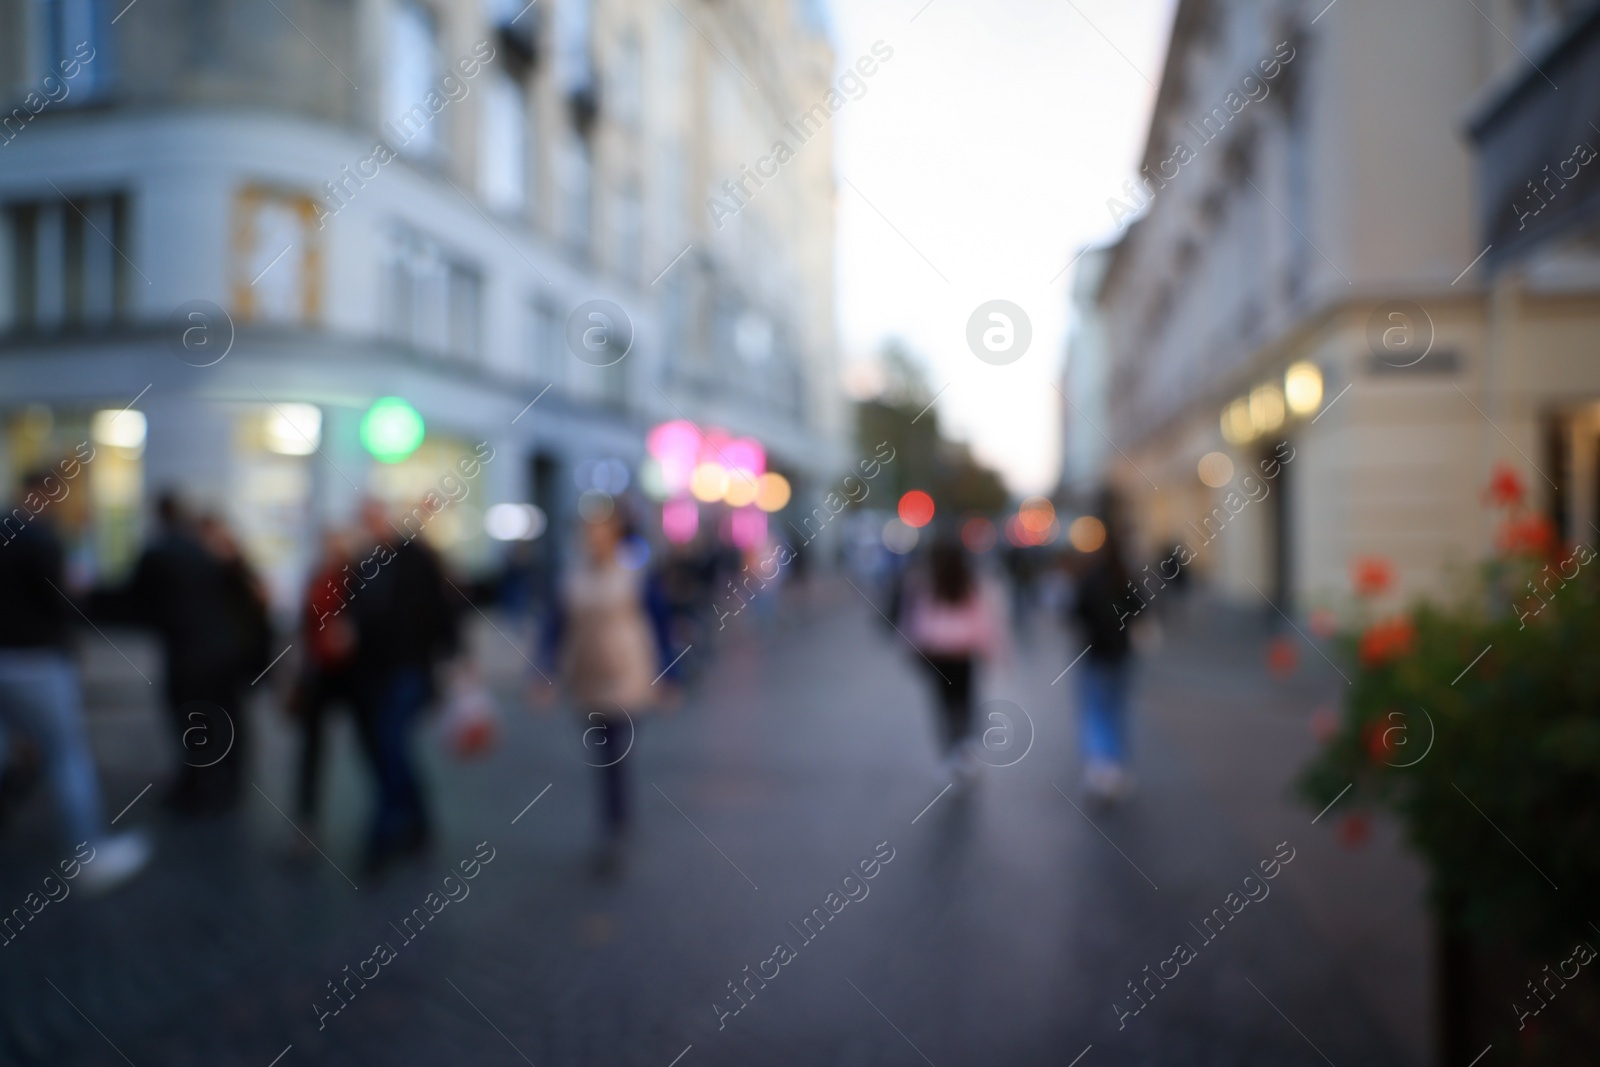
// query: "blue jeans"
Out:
[39,695]
[398,698]
[1103,705]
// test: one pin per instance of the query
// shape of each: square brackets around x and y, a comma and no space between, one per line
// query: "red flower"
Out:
[1354,829]
[1532,535]
[1386,641]
[1371,575]
[1505,487]
[1282,657]
[1378,737]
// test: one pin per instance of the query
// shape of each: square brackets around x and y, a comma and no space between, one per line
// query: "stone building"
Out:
[250,220]
[1311,254]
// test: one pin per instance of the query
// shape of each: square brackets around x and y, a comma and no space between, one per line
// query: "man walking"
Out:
[404,626]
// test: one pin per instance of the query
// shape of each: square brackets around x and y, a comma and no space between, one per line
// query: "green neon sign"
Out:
[391,430]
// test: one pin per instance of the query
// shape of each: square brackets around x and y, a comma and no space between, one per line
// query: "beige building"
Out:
[404,198]
[1309,261]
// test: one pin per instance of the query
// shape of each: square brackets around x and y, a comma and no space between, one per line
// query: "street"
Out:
[1005,924]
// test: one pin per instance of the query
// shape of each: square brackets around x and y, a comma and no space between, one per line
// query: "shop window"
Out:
[66,263]
[277,259]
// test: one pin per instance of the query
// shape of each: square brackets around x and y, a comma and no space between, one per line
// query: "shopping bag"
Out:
[471,720]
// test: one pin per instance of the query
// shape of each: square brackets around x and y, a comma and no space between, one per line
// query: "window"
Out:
[412,74]
[503,156]
[432,301]
[669,194]
[277,259]
[574,60]
[627,239]
[577,199]
[546,341]
[66,271]
[627,83]
[74,35]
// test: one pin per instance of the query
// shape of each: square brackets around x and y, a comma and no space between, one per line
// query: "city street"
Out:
[1003,925]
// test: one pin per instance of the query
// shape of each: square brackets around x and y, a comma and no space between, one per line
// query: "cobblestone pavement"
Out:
[1003,930]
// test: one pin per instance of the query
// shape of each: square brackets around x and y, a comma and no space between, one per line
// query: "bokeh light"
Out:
[514,522]
[391,430]
[680,521]
[1216,469]
[1302,387]
[772,492]
[1266,408]
[899,538]
[742,489]
[1036,514]
[978,535]
[916,509]
[709,483]
[1087,533]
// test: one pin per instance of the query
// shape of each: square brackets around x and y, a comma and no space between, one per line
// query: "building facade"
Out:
[247,222]
[1302,272]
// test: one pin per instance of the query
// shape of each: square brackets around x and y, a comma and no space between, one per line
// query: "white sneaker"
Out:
[116,859]
[1100,780]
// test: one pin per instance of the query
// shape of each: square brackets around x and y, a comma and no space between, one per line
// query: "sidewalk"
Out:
[1004,929]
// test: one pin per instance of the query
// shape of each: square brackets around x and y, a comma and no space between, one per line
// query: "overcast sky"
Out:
[991,142]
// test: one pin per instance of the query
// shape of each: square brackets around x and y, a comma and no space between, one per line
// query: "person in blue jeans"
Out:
[1102,609]
[406,622]
[40,696]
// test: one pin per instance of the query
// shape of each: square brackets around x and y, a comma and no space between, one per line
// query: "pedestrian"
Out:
[955,620]
[180,589]
[606,643]
[405,627]
[246,626]
[40,692]
[327,677]
[1102,609]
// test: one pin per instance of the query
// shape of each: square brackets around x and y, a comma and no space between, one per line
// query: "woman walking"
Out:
[1103,610]
[606,638]
[954,620]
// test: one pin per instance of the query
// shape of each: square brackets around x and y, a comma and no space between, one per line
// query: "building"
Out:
[1305,274]
[249,221]
[1084,446]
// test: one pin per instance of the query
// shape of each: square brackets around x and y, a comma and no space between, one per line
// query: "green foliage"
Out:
[1516,740]
[924,459]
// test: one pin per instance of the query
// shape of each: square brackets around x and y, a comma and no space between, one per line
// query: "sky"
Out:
[975,167]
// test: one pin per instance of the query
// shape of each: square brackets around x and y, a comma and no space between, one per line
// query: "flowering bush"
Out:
[1477,724]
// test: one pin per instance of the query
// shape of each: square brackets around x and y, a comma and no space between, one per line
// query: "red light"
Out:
[978,534]
[916,509]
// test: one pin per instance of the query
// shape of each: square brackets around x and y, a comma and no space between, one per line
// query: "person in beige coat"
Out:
[606,646]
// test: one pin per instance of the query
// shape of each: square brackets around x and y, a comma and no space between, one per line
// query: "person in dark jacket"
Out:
[181,590]
[1102,609]
[247,626]
[40,694]
[404,625]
